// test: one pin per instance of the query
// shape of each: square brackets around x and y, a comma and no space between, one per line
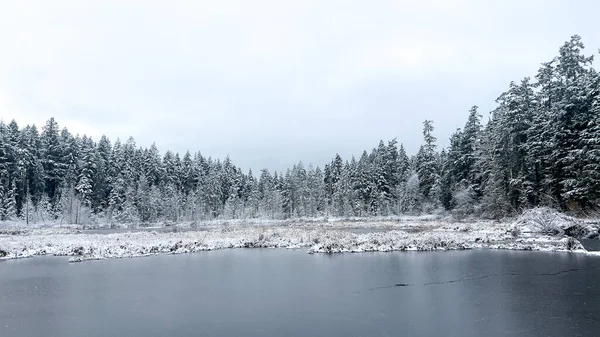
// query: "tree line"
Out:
[540,146]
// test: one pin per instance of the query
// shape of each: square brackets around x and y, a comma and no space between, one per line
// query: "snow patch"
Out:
[550,222]
[315,237]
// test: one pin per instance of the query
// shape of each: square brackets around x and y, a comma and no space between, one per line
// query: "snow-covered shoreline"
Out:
[314,237]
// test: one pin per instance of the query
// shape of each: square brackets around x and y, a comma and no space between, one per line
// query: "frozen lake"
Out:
[278,292]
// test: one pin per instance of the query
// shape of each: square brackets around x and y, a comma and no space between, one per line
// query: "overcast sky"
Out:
[273,82]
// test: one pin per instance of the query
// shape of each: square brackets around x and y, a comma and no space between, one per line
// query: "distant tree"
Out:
[540,147]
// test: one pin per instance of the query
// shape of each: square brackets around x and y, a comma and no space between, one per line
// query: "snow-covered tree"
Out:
[540,147]
[427,164]
[28,213]
[9,203]
[411,198]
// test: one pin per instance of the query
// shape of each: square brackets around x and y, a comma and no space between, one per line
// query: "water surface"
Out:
[261,292]
[591,245]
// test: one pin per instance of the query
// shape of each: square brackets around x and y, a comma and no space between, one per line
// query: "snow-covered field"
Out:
[17,241]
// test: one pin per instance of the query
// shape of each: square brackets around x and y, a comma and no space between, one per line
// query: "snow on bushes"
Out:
[550,222]
[432,236]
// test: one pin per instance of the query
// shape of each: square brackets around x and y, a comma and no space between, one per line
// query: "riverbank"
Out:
[313,236]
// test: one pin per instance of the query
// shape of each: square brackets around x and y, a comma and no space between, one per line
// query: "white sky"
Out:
[273,82]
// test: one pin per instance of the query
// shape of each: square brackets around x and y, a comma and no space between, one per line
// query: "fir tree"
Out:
[427,165]
[53,161]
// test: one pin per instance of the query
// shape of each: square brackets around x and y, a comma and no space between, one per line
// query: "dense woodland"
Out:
[540,146]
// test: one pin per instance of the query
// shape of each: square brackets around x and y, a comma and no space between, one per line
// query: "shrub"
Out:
[546,220]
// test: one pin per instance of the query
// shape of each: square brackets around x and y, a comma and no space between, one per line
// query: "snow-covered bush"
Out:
[464,201]
[545,220]
[410,198]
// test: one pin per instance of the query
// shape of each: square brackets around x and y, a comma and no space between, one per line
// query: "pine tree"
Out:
[66,207]
[571,119]
[116,197]
[155,211]
[101,177]
[403,165]
[268,195]
[142,196]
[541,146]
[43,210]
[451,172]
[69,149]
[15,163]
[153,167]
[333,172]
[31,157]
[427,165]
[55,168]
[189,175]
[9,203]
[285,186]
[365,187]
[588,184]
[131,163]
[392,173]
[4,162]
[84,187]
[253,202]
[129,212]
[343,198]
[469,145]
[11,207]
[213,191]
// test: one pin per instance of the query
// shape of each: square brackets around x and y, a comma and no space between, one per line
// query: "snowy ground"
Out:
[315,236]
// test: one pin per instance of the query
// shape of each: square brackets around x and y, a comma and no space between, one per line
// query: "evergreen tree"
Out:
[589,183]
[128,212]
[411,198]
[427,165]
[469,145]
[541,146]
[84,187]
[28,214]
[571,119]
[101,177]
[43,210]
[9,207]
[252,208]
[31,157]
[53,161]
[146,211]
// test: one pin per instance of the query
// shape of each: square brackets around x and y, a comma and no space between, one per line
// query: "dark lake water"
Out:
[591,245]
[263,292]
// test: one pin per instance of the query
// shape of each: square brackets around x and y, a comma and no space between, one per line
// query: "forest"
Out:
[540,146]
